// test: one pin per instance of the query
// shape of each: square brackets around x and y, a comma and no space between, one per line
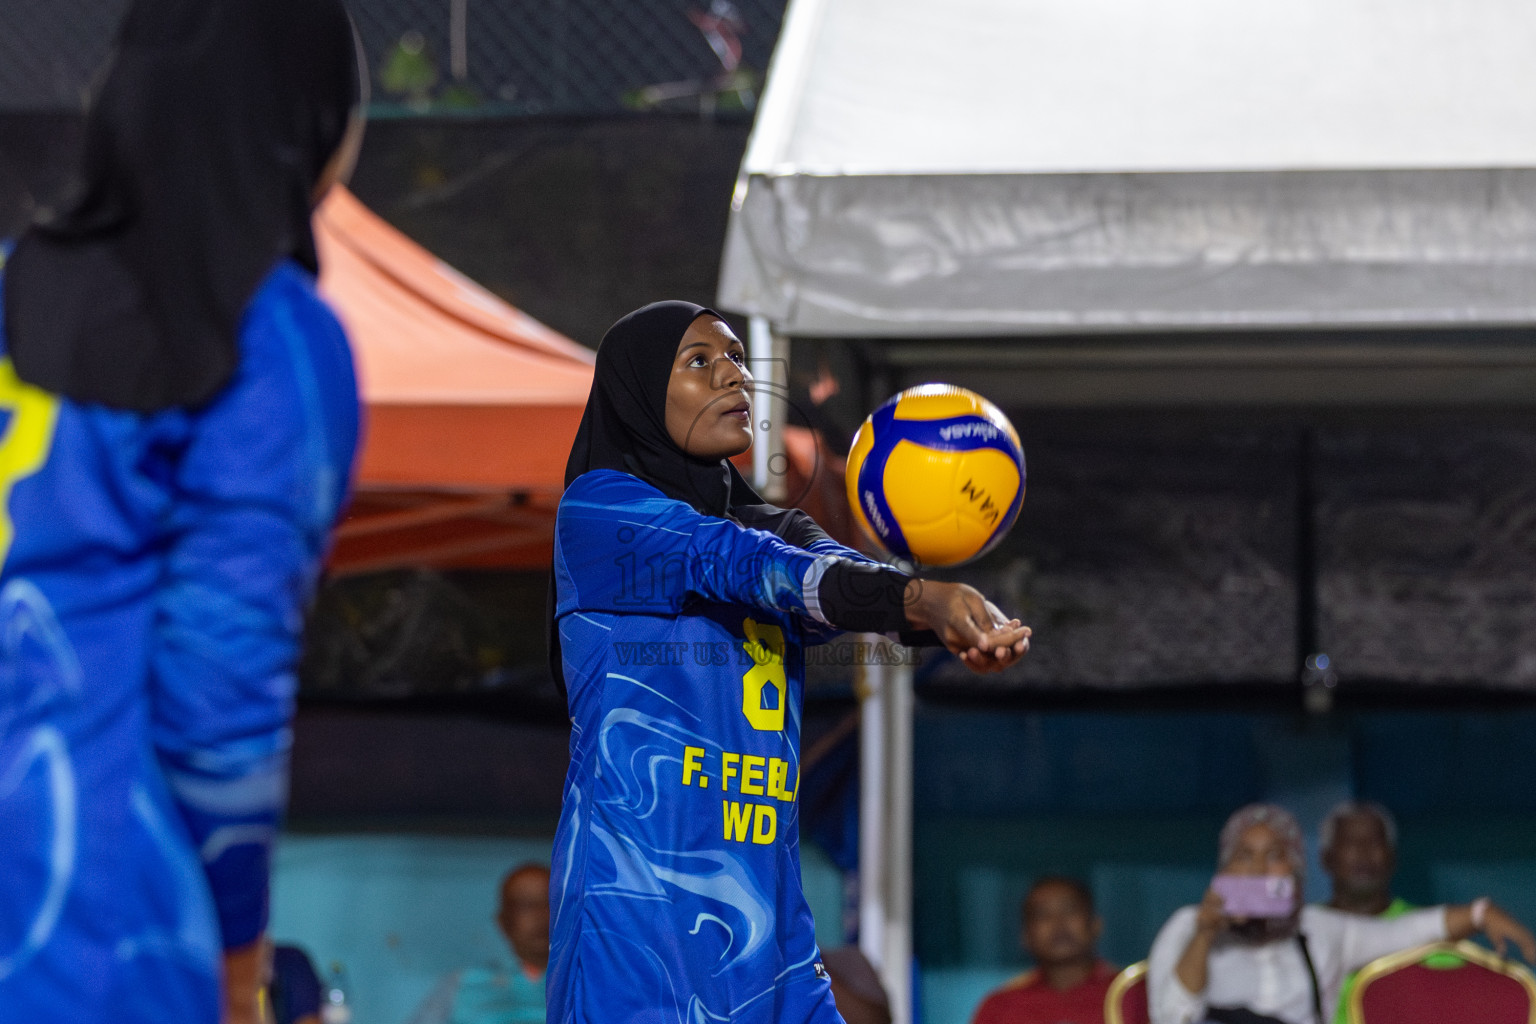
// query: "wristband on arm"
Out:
[870,599]
[863,598]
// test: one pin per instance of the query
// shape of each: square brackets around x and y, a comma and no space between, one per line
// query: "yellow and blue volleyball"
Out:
[936,475]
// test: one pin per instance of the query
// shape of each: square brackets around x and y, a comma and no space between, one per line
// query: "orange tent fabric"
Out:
[472,405]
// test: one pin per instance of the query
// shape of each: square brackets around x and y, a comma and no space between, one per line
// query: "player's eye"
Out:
[698,361]
[738,357]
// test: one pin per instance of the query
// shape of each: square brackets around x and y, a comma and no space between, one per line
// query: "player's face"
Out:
[1058,926]
[1360,861]
[709,402]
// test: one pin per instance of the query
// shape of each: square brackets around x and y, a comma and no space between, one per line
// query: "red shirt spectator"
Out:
[1029,999]
[1069,983]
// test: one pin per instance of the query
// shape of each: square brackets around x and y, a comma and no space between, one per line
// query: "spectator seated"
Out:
[1069,982]
[500,995]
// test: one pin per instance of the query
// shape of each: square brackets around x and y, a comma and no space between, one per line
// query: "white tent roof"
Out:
[1006,167]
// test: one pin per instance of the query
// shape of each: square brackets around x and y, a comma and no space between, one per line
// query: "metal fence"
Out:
[50,50]
[529,57]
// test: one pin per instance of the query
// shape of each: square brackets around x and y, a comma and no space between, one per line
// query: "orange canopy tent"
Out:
[471,406]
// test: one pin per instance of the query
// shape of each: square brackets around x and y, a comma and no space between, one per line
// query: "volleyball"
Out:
[936,475]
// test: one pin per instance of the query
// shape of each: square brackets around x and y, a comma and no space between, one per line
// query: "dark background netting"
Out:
[1427,553]
[523,56]
[419,633]
[50,49]
[1150,552]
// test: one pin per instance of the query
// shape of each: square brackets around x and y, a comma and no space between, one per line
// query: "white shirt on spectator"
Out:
[1271,978]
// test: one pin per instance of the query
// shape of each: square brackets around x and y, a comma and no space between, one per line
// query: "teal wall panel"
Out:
[398,911]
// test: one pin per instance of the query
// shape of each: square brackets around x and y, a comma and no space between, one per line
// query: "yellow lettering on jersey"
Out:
[28,439]
[764,814]
[765,645]
[693,761]
[728,763]
[778,775]
[738,817]
[752,774]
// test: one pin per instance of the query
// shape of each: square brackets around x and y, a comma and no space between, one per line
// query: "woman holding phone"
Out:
[1253,953]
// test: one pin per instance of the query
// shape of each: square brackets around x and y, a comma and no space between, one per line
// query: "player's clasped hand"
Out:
[967,623]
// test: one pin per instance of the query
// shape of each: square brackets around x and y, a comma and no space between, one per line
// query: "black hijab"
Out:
[210,131]
[624,426]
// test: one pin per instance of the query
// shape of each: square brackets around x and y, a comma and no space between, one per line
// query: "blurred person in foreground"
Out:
[1359,851]
[499,995]
[1069,981]
[1207,966]
[181,416]
[293,986]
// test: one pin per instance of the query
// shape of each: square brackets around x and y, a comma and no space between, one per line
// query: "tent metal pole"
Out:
[872,813]
[458,39]
[768,359]
[885,826]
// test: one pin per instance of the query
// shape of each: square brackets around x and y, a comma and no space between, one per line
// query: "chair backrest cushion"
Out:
[1418,994]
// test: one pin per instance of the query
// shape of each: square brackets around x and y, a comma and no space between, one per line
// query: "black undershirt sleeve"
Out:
[863,598]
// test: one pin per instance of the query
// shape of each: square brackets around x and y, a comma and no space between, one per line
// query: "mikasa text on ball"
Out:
[936,475]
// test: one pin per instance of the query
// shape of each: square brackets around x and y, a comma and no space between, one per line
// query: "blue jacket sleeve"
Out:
[254,496]
[626,547]
[795,527]
[856,592]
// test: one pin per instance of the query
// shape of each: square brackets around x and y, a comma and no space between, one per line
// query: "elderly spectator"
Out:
[1359,848]
[487,995]
[1068,983]
[1207,965]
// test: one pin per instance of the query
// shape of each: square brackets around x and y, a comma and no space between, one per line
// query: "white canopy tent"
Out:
[1188,201]
[1017,167]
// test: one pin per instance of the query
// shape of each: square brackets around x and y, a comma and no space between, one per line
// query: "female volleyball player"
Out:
[682,604]
[179,422]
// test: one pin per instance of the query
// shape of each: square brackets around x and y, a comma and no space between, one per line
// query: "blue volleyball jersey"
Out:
[153,575]
[676,893]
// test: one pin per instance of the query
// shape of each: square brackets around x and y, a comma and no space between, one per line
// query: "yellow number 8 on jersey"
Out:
[32,413]
[765,646]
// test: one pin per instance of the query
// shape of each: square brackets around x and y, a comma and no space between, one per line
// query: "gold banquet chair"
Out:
[1126,1001]
[1402,989]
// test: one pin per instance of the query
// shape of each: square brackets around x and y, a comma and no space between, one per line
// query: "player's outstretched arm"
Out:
[967,623]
